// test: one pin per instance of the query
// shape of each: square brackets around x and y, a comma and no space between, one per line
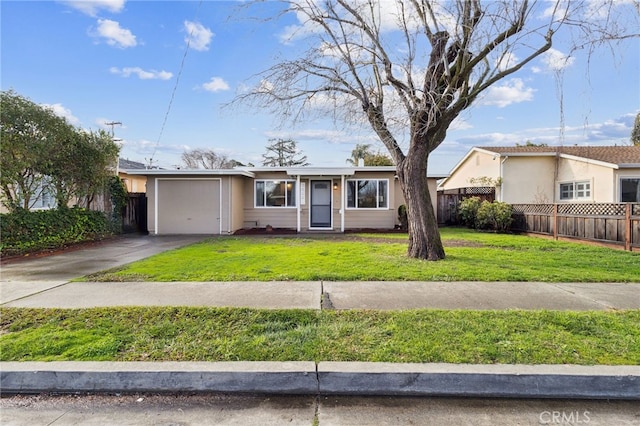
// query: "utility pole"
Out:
[112,124]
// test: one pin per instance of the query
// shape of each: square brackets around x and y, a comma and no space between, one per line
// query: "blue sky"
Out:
[117,60]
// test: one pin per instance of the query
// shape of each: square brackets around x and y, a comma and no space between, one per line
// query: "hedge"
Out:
[28,231]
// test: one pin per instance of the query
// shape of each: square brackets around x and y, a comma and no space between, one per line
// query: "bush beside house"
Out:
[495,216]
[25,231]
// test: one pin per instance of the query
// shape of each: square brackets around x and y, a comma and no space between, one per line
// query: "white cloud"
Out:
[555,11]
[198,36]
[63,112]
[507,60]
[216,84]
[554,60]
[510,92]
[114,34]
[142,74]
[92,7]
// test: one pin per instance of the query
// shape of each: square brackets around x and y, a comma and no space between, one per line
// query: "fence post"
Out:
[555,221]
[627,219]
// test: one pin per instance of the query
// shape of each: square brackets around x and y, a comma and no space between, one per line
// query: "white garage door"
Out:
[188,206]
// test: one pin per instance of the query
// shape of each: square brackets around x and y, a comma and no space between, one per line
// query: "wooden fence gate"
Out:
[134,218]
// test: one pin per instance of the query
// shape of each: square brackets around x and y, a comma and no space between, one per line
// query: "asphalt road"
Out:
[208,409]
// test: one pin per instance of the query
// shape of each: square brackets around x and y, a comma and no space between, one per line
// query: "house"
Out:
[551,174]
[299,198]
[133,183]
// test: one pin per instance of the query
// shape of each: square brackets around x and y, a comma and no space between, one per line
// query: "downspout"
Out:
[342,203]
[230,210]
[299,203]
[155,206]
[501,178]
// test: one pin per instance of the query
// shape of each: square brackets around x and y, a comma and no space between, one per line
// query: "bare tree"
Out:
[206,159]
[408,68]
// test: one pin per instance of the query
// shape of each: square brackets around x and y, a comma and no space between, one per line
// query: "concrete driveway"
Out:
[27,276]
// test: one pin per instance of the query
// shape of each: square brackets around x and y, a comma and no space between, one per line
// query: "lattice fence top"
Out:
[533,208]
[591,209]
[600,209]
[480,190]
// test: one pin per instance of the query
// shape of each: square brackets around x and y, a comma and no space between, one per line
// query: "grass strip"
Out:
[231,334]
[471,256]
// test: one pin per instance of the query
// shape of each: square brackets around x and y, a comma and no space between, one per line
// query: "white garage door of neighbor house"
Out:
[188,206]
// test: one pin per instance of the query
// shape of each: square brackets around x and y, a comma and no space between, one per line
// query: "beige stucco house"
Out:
[534,174]
[299,198]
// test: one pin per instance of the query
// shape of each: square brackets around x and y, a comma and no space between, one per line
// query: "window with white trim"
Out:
[630,190]
[368,193]
[275,193]
[575,191]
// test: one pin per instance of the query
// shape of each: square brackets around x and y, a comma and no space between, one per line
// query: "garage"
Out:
[188,206]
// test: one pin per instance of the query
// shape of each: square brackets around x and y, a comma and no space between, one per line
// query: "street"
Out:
[218,409]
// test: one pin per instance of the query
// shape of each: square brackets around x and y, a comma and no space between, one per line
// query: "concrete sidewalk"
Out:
[382,295]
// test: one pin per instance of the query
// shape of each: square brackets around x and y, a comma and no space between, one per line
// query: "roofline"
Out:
[251,171]
[194,172]
[467,155]
[589,160]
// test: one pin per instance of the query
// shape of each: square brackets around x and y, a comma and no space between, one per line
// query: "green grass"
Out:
[225,334]
[471,256]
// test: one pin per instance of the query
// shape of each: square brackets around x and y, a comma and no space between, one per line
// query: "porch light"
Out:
[335,185]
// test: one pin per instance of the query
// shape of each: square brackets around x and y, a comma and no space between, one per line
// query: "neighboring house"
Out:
[134,183]
[301,198]
[535,174]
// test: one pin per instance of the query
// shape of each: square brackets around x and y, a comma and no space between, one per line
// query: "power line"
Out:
[175,87]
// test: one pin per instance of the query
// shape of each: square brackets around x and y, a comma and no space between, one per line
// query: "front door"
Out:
[321,204]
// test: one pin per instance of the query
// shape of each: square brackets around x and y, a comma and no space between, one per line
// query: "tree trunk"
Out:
[424,236]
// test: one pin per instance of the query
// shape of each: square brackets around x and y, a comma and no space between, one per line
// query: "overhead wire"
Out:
[175,87]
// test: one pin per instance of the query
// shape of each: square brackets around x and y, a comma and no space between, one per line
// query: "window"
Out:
[368,194]
[575,191]
[275,193]
[630,190]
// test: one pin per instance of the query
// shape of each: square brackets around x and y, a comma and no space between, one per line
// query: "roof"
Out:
[191,172]
[130,165]
[622,156]
[291,171]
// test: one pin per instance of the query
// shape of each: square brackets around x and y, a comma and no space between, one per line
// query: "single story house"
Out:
[551,174]
[300,198]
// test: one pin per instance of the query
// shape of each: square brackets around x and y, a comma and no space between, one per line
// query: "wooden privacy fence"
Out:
[604,223]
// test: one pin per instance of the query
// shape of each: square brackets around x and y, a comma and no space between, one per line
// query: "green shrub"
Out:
[496,216]
[25,231]
[468,210]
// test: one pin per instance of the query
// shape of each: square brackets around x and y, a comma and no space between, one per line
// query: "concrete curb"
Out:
[469,380]
[251,377]
[326,378]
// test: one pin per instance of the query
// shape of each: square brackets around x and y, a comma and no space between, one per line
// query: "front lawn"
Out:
[471,256]
[228,334]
